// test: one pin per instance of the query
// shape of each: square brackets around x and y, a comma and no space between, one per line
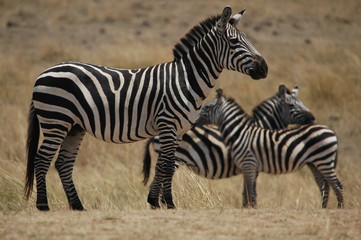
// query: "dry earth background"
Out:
[315,44]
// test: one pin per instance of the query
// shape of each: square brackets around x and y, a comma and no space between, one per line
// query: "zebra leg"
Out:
[65,163]
[43,158]
[329,174]
[249,193]
[246,201]
[165,167]
[322,184]
[336,185]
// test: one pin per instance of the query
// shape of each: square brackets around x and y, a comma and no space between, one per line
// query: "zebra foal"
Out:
[255,149]
[129,105]
[202,148]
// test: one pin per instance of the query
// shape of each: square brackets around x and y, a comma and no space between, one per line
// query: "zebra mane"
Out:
[275,99]
[233,102]
[194,36]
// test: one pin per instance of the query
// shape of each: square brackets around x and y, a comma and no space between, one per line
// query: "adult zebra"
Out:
[123,106]
[255,149]
[202,148]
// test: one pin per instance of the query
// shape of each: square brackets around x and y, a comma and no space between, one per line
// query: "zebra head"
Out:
[220,110]
[237,53]
[210,112]
[292,110]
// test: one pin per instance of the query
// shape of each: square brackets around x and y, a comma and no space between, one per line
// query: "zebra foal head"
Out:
[292,109]
[238,54]
[212,111]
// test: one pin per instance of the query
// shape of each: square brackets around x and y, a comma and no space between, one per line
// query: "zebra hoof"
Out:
[42,207]
[77,207]
[153,203]
[171,206]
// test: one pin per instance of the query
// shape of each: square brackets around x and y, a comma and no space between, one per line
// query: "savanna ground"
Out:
[314,44]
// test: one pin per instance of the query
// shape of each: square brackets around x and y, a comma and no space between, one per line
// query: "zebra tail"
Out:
[32,142]
[147,162]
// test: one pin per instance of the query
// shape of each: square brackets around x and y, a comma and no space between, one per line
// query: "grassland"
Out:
[314,44]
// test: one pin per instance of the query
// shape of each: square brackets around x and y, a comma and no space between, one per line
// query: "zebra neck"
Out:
[201,70]
[267,115]
[235,126]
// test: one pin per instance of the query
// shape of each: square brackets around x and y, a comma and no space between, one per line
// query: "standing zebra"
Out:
[123,106]
[202,148]
[255,149]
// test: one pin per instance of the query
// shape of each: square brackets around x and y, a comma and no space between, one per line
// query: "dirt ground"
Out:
[182,224]
[315,44]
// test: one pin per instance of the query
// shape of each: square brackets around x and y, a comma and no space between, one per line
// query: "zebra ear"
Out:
[294,91]
[219,93]
[236,18]
[222,23]
[282,91]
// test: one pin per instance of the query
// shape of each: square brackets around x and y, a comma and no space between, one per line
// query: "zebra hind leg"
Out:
[337,187]
[322,185]
[65,163]
[249,192]
[43,158]
[329,175]
[246,199]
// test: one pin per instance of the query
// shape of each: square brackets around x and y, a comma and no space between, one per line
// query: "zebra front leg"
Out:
[155,186]
[167,197]
[162,183]
[65,163]
[158,186]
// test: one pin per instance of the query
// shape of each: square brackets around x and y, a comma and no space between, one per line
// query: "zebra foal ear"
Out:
[294,91]
[236,18]
[282,91]
[219,93]
[222,23]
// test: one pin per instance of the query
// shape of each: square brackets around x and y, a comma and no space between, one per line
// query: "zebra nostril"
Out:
[310,118]
[263,67]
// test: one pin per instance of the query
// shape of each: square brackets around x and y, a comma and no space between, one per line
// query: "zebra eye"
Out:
[233,41]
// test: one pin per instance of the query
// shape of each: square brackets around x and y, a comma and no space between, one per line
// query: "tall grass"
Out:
[307,43]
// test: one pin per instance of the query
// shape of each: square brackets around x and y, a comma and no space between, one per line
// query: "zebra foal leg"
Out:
[322,185]
[65,163]
[249,193]
[337,186]
[329,174]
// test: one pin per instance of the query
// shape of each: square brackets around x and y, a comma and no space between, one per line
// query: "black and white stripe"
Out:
[255,149]
[202,148]
[123,106]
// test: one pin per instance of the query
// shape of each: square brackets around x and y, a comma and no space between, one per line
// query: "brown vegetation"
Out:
[315,44]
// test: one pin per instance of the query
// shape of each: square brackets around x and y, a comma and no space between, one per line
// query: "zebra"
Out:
[129,105]
[255,149]
[202,148]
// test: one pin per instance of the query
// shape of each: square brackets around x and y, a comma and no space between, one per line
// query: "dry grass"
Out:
[314,44]
[182,224]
